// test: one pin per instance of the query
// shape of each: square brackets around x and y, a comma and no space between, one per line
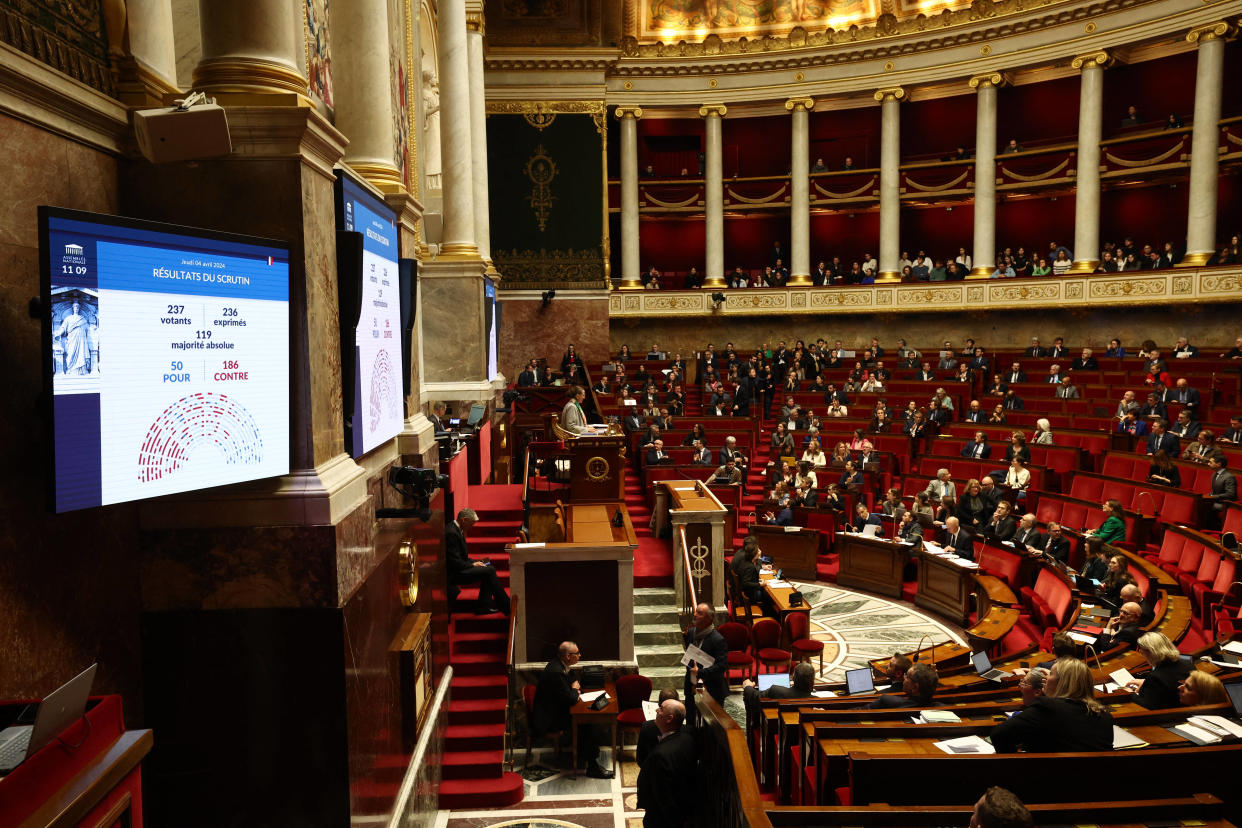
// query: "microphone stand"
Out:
[918,652]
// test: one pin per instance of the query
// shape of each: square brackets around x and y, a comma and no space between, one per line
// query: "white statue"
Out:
[430,143]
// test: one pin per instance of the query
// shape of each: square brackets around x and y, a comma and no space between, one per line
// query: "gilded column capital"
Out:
[1091,60]
[634,112]
[713,109]
[892,93]
[1212,31]
[798,104]
[983,81]
[475,21]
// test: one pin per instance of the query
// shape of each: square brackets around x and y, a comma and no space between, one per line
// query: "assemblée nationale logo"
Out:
[74,254]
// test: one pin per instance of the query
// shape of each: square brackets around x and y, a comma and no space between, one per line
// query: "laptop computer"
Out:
[56,712]
[477,411]
[983,666]
[859,681]
[1235,696]
[767,680]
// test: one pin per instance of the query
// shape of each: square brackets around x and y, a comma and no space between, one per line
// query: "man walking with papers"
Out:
[706,659]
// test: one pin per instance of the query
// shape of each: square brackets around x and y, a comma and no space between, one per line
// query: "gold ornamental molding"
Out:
[552,107]
[713,109]
[1103,291]
[240,74]
[800,104]
[891,93]
[1100,59]
[476,21]
[988,79]
[1219,30]
[634,112]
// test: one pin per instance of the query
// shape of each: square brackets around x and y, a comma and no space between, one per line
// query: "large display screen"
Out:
[166,353]
[378,411]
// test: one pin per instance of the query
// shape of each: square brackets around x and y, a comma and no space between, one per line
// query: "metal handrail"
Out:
[423,751]
[686,571]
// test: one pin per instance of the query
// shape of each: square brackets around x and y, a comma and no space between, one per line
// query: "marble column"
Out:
[890,182]
[455,146]
[1087,177]
[800,192]
[251,46]
[713,270]
[478,134]
[362,79]
[151,40]
[984,253]
[1205,143]
[630,276]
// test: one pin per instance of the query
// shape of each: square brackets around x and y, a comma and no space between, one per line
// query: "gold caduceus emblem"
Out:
[698,563]
[541,169]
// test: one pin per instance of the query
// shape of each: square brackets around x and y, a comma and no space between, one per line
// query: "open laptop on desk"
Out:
[983,666]
[767,680]
[859,681]
[56,712]
[1235,696]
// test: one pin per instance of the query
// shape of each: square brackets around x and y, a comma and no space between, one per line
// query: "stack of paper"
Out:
[965,744]
[1121,677]
[1081,638]
[937,716]
[1198,735]
[1234,647]
[777,584]
[824,694]
[590,697]
[1125,740]
[649,710]
[1218,725]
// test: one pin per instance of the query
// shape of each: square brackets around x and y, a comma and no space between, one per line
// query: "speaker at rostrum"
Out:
[169,134]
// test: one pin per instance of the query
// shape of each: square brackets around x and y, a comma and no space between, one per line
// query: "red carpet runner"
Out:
[473,763]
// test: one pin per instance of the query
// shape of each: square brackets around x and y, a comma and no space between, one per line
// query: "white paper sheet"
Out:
[591,696]
[649,710]
[696,654]
[965,744]
[1220,722]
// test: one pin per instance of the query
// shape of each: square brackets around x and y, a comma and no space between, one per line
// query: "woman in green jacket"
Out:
[1113,529]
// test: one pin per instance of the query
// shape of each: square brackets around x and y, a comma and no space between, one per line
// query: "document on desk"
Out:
[934,716]
[965,744]
[1125,740]
[1121,677]
[1217,724]
[698,655]
[649,710]
[591,696]
[1234,647]
[1198,735]
[1080,638]
[778,584]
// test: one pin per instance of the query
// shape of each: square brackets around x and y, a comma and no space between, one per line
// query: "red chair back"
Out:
[798,625]
[632,691]
[766,633]
[736,636]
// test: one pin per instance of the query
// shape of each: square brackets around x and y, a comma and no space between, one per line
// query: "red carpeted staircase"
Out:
[472,768]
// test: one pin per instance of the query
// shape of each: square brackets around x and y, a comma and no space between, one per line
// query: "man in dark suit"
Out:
[977,448]
[834,395]
[1035,350]
[702,455]
[556,694]
[1057,546]
[1055,375]
[714,676]
[808,497]
[1028,536]
[1185,428]
[1130,593]
[802,686]
[438,421]
[1224,484]
[975,413]
[925,373]
[1013,402]
[1161,440]
[633,421]
[531,376]
[980,364]
[729,452]
[656,455]
[918,687]
[958,539]
[649,733]
[1015,374]
[1186,395]
[666,781]
[782,517]
[1233,434]
[1058,349]
[1002,527]
[1086,362]
[1122,629]
[462,570]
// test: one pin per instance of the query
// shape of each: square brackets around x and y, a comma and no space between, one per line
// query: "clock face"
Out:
[597,469]
[408,574]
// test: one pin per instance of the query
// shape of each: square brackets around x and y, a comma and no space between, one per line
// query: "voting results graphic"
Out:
[378,406]
[170,359]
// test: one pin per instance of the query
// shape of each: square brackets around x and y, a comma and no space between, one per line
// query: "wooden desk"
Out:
[591,524]
[871,564]
[582,714]
[795,550]
[944,587]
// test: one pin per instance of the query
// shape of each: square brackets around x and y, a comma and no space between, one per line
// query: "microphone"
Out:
[1087,648]
[919,650]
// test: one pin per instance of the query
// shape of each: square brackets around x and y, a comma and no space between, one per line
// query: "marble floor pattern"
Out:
[855,628]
